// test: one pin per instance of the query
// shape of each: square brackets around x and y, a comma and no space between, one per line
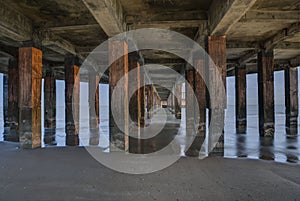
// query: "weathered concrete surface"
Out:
[72,174]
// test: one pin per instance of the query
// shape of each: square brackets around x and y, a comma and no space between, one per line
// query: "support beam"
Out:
[50,107]
[217,52]
[224,14]
[94,107]
[30,84]
[189,102]
[13,24]
[266,93]
[178,101]
[72,92]
[118,58]
[143,100]
[241,99]
[109,15]
[150,101]
[282,35]
[200,92]
[6,133]
[291,100]
[13,101]
[134,83]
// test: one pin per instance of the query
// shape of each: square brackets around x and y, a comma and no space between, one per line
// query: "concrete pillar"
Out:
[49,107]
[291,100]
[217,52]
[118,58]
[266,93]
[200,92]
[6,133]
[241,99]
[13,104]
[30,84]
[72,92]
[189,98]
[94,107]
[178,101]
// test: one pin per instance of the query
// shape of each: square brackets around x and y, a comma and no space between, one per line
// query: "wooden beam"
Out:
[224,14]
[109,15]
[282,35]
[167,24]
[13,24]
[70,27]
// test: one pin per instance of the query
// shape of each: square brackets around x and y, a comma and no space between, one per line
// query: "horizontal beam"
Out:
[224,14]
[57,44]
[71,27]
[167,24]
[109,15]
[282,35]
[263,16]
[249,56]
[13,24]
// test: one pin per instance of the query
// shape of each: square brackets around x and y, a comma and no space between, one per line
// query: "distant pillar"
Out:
[266,93]
[150,101]
[118,58]
[94,107]
[190,104]
[13,101]
[49,107]
[241,99]
[178,101]
[217,52]
[291,100]
[134,84]
[30,84]
[6,133]
[143,99]
[200,92]
[72,92]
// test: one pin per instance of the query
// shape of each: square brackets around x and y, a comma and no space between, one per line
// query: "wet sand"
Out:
[70,173]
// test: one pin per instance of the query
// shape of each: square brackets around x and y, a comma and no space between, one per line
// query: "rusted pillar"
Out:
[240,99]
[30,84]
[49,107]
[190,105]
[13,101]
[200,92]
[6,133]
[266,93]
[72,92]
[291,100]
[217,52]
[94,106]
[118,57]
[178,101]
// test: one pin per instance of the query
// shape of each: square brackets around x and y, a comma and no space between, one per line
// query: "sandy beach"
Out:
[72,174]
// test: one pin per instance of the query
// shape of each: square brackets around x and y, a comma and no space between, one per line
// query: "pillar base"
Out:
[49,137]
[72,140]
[178,115]
[241,127]
[267,131]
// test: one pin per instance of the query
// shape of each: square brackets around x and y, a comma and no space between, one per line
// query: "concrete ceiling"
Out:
[78,26]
